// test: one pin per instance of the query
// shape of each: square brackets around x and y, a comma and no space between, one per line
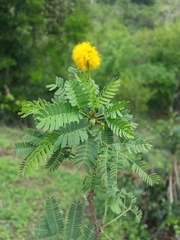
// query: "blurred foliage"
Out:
[36,38]
[146,58]
[162,212]
[138,39]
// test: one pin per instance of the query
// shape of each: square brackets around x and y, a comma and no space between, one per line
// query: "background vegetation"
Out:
[139,42]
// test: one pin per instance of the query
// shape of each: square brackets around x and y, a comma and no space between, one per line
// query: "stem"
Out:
[104,216]
[117,217]
[88,70]
[94,218]
[106,235]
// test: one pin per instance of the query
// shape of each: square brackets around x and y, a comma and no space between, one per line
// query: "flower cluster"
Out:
[85,56]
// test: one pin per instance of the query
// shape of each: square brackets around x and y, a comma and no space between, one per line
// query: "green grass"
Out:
[22,199]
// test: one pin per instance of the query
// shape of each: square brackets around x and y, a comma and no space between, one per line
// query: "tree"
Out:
[33,37]
[80,125]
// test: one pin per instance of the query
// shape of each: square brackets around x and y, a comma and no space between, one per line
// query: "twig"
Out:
[91,203]
[115,219]
[106,235]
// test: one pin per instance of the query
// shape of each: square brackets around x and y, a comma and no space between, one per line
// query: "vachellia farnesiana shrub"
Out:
[83,125]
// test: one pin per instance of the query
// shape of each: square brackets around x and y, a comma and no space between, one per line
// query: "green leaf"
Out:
[72,73]
[108,92]
[73,224]
[77,93]
[89,233]
[56,159]
[39,155]
[54,217]
[114,110]
[72,134]
[120,127]
[117,200]
[137,145]
[107,136]
[93,90]
[140,168]
[103,163]
[137,213]
[59,84]
[24,148]
[33,136]
[55,115]
[114,166]
[86,154]
[41,229]
[92,181]
[32,107]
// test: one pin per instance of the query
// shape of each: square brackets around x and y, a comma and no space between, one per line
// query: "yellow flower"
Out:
[86,56]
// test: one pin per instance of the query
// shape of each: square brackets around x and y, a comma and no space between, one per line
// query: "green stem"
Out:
[88,71]
[104,217]
[106,235]
[115,219]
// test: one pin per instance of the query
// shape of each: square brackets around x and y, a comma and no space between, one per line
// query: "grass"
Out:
[22,199]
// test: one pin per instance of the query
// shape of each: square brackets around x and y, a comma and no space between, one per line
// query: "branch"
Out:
[94,218]
[115,219]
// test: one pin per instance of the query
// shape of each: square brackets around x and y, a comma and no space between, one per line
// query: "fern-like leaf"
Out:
[117,206]
[59,84]
[103,164]
[55,115]
[89,233]
[74,221]
[137,212]
[73,73]
[137,145]
[114,110]
[108,93]
[54,217]
[32,107]
[86,154]
[59,95]
[114,166]
[24,148]
[58,157]
[120,127]
[39,155]
[140,168]
[33,136]
[77,93]
[107,136]
[41,229]
[92,181]
[72,134]
[117,199]
[93,91]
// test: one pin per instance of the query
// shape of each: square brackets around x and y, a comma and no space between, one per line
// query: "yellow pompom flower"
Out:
[86,56]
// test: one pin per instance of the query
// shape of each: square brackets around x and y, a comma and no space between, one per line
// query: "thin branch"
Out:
[106,235]
[94,218]
[115,219]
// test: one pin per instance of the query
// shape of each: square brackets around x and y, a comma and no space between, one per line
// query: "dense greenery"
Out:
[36,38]
[82,125]
[22,199]
[139,41]
[146,58]
[143,36]
[157,212]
